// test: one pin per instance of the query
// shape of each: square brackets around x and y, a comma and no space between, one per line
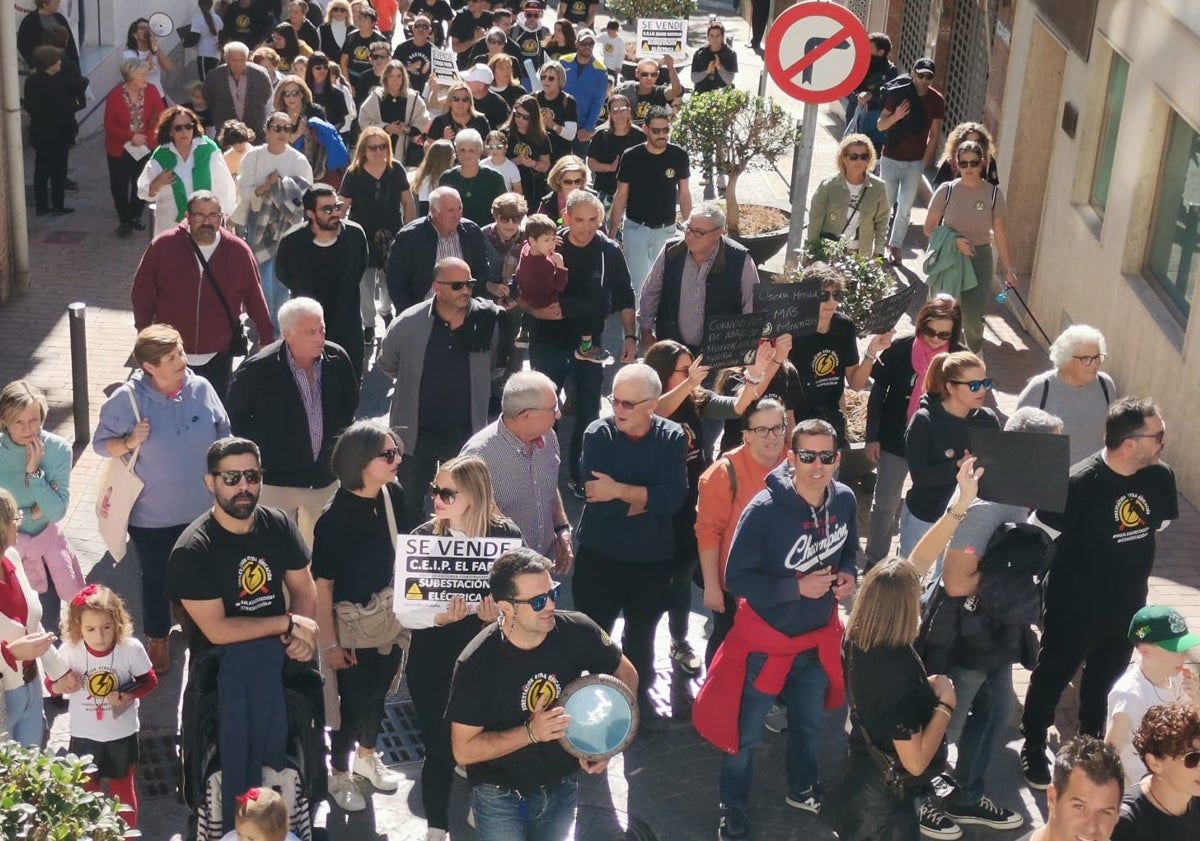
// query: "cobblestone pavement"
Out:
[665,785]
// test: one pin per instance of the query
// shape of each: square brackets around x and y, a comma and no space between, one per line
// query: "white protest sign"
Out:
[431,569]
[445,65]
[657,37]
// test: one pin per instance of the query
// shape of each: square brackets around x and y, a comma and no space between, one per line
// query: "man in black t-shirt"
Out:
[416,54]
[650,179]
[246,21]
[504,719]
[1084,798]
[528,36]
[356,51]
[645,93]
[1117,501]
[468,28]
[581,13]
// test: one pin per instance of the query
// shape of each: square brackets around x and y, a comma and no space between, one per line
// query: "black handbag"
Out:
[414,149]
[239,342]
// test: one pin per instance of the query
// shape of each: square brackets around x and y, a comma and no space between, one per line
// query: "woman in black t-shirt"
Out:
[560,111]
[1165,806]
[609,143]
[528,146]
[460,114]
[463,506]
[898,715]
[353,561]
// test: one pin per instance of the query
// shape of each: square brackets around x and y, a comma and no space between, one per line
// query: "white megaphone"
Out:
[161,24]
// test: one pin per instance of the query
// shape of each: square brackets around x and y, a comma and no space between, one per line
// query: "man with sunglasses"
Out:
[504,712]
[325,260]
[793,558]
[645,92]
[416,53]
[528,35]
[1117,501]
[587,81]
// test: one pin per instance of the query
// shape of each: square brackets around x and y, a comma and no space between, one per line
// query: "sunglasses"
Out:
[1157,436]
[494,147]
[279,128]
[422,26]
[538,603]
[1191,759]
[617,109]
[827,294]
[969,163]
[528,16]
[460,99]
[231,478]
[809,456]
[768,431]
[520,115]
[391,455]
[626,405]
[446,495]
[183,127]
[666,130]
[376,147]
[573,181]
[974,385]
[502,218]
[380,57]
[288,94]
[330,209]
[1090,360]
[647,75]
[940,335]
[456,285]
[858,156]
[924,75]
[318,66]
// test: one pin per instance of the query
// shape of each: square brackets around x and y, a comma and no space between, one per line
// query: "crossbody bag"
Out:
[239,342]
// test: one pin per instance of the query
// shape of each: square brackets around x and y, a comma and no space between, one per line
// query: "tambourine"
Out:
[161,24]
[604,717]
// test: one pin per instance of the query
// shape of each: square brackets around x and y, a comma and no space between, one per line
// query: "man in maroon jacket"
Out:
[171,286]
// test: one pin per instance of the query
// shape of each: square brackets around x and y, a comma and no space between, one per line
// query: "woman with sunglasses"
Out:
[1165,806]
[977,133]
[894,399]
[336,104]
[851,205]
[463,507]
[141,43]
[185,160]
[460,114]
[568,174]
[311,133]
[170,417]
[609,142]
[1075,389]
[528,146]
[335,29]
[975,212]
[504,82]
[688,403]
[396,108]
[935,444]
[560,111]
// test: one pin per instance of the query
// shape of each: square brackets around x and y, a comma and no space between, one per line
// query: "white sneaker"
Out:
[372,769]
[344,793]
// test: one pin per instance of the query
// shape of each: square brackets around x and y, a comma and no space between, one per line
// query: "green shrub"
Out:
[656,9]
[42,799]
[866,279]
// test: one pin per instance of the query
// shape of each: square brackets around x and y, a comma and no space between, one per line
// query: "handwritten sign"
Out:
[445,65]
[1011,458]
[887,311]
[790,307]
[731,340]
[656,37]
[431,569]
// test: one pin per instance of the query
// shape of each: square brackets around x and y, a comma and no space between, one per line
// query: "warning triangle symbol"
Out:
[414,592]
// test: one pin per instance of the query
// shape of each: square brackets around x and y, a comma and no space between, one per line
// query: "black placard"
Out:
[1022,468]
[887,311]
[790,307]
[732,340]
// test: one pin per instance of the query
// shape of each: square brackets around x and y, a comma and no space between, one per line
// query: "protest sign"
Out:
[731,340]
[445,65]
[656,37]
[431,569]
[887,311]
[789,307]
[1011,459]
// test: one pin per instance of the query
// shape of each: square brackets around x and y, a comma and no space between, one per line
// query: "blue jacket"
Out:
[778,538]
[336,153]
[588,85]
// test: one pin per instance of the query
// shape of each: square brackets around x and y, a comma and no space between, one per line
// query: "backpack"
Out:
[1046,382]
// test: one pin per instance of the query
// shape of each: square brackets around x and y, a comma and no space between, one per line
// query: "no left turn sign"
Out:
[817,51]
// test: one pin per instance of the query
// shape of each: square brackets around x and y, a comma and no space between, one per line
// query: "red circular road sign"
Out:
[817,51]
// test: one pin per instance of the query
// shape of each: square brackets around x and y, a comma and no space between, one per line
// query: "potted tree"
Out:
[728,132]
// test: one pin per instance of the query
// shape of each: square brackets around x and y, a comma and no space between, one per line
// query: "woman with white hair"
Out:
[1076,390]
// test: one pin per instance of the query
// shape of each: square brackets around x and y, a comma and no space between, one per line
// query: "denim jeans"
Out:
[23,708]
[540,814]
[642,245]
[988,698]
[804,695]
[902,180]
[885,505]
[366,296]
[274,291]
[558,364]
[912,529]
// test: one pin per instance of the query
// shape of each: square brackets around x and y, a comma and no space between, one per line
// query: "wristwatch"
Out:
[37,474]
[562,527]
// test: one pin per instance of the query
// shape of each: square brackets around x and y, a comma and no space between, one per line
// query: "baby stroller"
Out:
[302,783]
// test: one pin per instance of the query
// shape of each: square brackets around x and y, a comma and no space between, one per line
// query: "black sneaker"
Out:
[576,487]
[935,824]
[1035,768]
[138,224]
[983,813]
[70,186]
[807,801]
[733,825]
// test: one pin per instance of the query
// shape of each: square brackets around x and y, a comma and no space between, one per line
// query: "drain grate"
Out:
[158,768]
[399,737]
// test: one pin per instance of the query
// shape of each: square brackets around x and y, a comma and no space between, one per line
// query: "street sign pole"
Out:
[801,170]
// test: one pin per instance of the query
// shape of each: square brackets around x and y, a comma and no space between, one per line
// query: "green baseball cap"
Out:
[1163,626]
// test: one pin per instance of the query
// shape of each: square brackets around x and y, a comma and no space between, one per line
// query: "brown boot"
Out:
[160,654]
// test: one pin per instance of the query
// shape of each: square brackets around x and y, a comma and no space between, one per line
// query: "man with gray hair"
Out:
[521,451]
[695,277]
[634,473]
[238,90]
[423,242]
[294,398]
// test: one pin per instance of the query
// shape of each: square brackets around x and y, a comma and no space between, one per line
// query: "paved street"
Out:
[665,785]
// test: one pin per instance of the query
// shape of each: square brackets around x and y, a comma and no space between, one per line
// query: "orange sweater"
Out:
[717,511]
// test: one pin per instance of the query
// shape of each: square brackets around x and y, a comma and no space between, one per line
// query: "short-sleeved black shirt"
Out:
[821,360]
[497,685]
[562,109]
[607,147]
[353,545]
[533,183]
[375,205]
[245,571]
[494,108]
[640,104]
[463,28]
[1141,820]
[890,692]
[358,49]
[575,11]
[408,54]
[437,128]
[652,181]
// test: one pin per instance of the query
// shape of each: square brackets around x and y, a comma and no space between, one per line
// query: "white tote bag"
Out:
[119,489]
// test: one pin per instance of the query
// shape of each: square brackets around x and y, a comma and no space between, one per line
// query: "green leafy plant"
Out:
[729,132]
[866,279]
[42,799]
[655,9]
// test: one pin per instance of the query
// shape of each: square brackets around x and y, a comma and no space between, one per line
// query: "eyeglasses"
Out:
[460,99]
[375,56]
[940,335]
[969,163]
[617,109]
[1191,759]
[206,217]
[291,92]
[232,478]
[768,431]
[556,408]
[647,75]
[377,147]
[528,16]
[549,77]
[567,182]
[626,405]
[664,130]
[391,455]
[493,147]
[503,218]
[1094,359]
[456,285]
[925,75]
[835,294]
[422,26]
[858,156]
[446,495]
[538,603]
[809,456]
[312,66]
[697,232]
[330,209]
[1157,436]
[520,115]
[974,385]
[183,127]
[278,127]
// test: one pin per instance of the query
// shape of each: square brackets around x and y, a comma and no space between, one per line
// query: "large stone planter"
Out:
[766,245]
